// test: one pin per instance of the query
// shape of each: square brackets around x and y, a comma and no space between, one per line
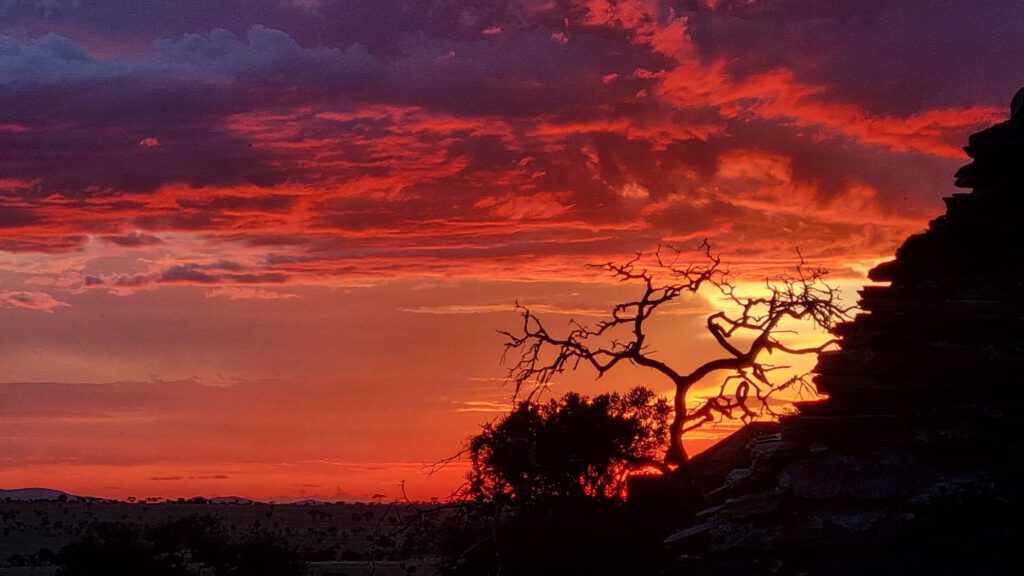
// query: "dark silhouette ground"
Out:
[109,538]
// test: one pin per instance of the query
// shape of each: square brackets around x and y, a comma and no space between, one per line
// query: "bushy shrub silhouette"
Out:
[264,555]
[117,549]
[546,487]
[199,537]
[572,447]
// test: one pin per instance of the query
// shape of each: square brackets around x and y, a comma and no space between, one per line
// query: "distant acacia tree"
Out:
[746,332]
[571,447]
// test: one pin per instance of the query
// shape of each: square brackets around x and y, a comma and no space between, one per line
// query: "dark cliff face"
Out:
[977,245]
[949,329]
[913,463]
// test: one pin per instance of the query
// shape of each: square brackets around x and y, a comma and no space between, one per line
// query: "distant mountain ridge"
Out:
[50,494]
[28,494]
[310,502]
[231,500]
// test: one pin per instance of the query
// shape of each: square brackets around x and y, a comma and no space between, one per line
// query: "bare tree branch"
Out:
[747,330]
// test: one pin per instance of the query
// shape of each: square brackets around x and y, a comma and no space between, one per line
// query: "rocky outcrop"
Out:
[913,463]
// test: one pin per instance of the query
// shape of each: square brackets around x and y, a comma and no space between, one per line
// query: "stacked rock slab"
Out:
[913,463]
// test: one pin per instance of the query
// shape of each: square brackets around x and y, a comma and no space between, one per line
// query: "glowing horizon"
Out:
[241,242]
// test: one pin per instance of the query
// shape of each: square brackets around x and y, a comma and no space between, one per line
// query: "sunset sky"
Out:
[262,247]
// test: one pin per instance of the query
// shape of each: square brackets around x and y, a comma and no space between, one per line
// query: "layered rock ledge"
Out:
[913,464]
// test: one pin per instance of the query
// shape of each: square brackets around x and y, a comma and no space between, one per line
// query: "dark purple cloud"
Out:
[892,58]
[12,217]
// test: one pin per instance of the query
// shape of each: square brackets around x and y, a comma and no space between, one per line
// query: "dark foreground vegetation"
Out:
[574,534]
[191,538]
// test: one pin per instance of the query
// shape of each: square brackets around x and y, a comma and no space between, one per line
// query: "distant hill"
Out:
[310,502]
[230,500]
[44,494]
[28,494]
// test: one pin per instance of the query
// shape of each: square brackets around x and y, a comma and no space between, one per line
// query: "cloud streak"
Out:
[38,301]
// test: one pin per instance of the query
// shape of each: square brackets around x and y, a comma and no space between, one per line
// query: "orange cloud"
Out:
[775,94]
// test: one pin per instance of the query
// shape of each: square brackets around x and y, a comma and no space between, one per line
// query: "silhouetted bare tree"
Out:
[746,331]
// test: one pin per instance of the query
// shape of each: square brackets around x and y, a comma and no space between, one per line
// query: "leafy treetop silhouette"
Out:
[572,447]
[747,330]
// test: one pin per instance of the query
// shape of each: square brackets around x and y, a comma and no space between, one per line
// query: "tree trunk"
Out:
[676,455]
[693,497]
